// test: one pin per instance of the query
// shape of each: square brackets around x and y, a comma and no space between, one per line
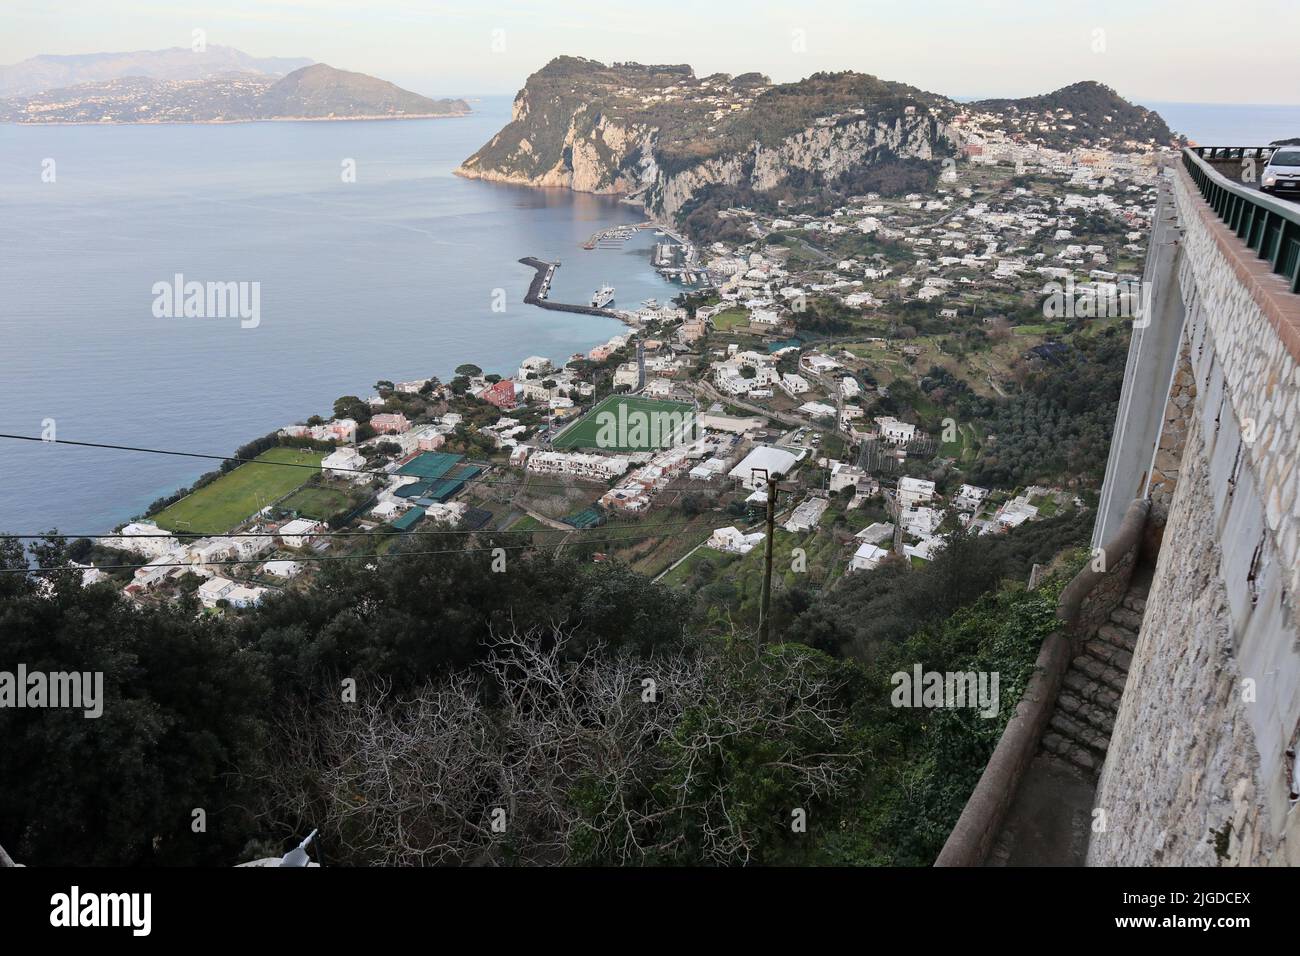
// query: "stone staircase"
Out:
[1080,729]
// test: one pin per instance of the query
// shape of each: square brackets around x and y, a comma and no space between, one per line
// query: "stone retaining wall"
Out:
[1198,769]
[1179,783]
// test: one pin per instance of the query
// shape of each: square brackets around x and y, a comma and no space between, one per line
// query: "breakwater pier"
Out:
[540,287]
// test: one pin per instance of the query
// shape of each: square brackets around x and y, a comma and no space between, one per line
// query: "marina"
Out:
[615,236]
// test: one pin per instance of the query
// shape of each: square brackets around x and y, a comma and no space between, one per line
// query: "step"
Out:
[1127,618]
[1079,756]
[1086,690]
[1108,653]
[1120,637]
[1113,677]
[1079,732]
[1101,719]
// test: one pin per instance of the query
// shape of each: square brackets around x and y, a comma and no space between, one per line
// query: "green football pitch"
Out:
[236,495]
[659,421]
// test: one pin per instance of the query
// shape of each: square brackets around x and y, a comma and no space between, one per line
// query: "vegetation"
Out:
[248,717]
[1098,115]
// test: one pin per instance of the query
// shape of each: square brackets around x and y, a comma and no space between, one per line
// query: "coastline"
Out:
[530,298]
[129,498]
[234,122]
[534,182]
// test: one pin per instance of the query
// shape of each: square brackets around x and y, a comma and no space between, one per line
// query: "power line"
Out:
[336,534]
[282,464]
[313,559]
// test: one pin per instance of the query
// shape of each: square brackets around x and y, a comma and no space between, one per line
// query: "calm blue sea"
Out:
[1219,124]
[389,277]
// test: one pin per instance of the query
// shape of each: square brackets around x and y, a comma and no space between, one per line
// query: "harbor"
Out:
[539,289]
[676,258]
[615,236]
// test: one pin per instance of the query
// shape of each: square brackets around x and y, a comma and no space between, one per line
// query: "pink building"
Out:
[390,423]
[502,394]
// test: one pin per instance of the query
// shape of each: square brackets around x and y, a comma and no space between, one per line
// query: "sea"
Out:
[370,260]
[1222,124]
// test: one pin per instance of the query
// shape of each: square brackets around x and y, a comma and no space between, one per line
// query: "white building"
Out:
[921,522]
[345,463]
[213,590]
[734,541]
[914,492]
[894,431]
[807,515]
[148,540]
[297,533]
[867,557]
[970,498]
[212,551]
[817,410]
[819,364]
[876,532]
[1015,513]
[768,458]
[629,374]
[283,569]
[793,384]
[241,596]
[534,365]
[925,550]
[844,475]
[389,508]
[579,465]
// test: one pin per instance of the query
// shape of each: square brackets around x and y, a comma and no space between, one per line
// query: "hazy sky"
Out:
[1149,50]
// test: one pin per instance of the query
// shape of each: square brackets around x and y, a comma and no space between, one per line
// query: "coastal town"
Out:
[820,353]
[520,436]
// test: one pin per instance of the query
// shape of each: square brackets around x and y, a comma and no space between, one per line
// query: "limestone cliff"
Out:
[664,135]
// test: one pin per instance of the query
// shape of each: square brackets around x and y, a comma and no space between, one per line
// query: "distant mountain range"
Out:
[49,72]
[316,91]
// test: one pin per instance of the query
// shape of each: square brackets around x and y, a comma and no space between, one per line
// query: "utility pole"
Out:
[765,605]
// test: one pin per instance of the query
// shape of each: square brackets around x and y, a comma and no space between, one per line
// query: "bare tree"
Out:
[546,759]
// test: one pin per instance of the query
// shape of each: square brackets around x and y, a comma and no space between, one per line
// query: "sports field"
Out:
[626,423]
[315,502]
[218,507]
[731,319]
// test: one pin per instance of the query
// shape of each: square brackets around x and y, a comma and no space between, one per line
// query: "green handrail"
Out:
[1269,226]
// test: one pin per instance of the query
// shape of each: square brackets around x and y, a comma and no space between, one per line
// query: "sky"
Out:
[1149,50]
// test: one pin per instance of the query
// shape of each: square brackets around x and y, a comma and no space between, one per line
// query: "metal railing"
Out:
[1269,226]
[1220,153]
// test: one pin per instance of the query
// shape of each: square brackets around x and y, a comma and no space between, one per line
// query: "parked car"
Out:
[1282,174]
